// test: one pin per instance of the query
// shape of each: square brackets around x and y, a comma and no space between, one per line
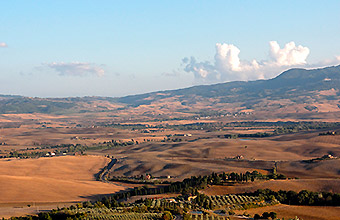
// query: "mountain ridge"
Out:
[282,81]
[312,87]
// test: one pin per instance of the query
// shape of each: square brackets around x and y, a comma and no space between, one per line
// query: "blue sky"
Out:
[115,48]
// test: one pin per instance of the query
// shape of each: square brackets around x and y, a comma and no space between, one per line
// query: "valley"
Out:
[114,155]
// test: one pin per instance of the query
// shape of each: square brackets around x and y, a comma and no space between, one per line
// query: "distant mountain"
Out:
[289,84]
[21,104]
[294,91]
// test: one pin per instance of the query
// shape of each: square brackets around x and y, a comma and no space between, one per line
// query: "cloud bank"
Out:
[227,65]
[2,44]
[76,69]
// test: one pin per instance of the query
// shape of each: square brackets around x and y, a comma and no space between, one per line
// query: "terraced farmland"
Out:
[238,201]
[127,216]
[207,217]
[113,214]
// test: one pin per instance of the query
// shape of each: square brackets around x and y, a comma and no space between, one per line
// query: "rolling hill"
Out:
[295,91]
[289,84]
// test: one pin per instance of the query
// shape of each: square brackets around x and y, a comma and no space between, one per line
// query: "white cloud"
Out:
[227,65]
[227,57]
[2,44]
[289,55]
[76,69]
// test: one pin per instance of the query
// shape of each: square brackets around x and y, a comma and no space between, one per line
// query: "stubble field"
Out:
[49,182]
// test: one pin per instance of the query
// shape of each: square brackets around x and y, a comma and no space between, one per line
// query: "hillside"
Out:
[296,91]
[289,84]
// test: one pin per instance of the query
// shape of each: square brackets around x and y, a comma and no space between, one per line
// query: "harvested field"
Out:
[22,209]
[159,152]
[206,155]
[49,180]
[317,185]
[303,212]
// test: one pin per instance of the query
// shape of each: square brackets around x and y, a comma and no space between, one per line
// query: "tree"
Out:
[266,215]
[273,215]
[217,180]
[231,212]
[257,216]
[167,216]
[186,216]
[44,216]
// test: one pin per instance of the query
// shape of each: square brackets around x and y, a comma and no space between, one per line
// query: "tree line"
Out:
[304,197]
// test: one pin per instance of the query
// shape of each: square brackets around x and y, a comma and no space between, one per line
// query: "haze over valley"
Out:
[148,110]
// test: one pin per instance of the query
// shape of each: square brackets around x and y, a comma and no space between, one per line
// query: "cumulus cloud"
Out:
[2,44]
[76,69]
[227,65]
[289,55]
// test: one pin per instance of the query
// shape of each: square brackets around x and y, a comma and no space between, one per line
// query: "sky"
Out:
[118,48]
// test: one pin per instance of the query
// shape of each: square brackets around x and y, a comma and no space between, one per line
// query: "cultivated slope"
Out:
[294,92]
